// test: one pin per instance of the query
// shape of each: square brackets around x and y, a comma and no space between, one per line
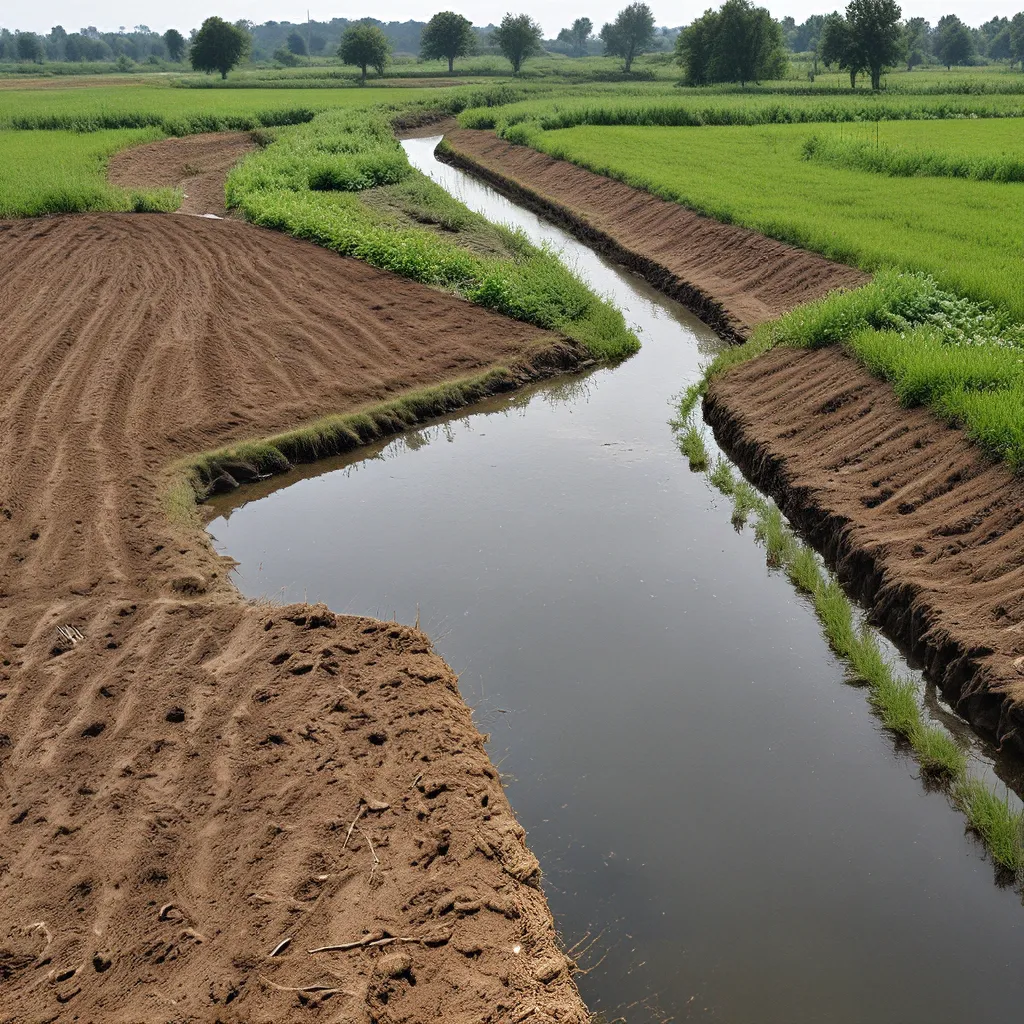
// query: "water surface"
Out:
[708,798]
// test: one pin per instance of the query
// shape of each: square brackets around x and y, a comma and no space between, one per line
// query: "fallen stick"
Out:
[281,946]
[365,944]
[362,807]
[304,988]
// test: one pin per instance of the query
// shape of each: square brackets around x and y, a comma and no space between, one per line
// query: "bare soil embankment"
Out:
[197,164]
[919,522]
[922,526]
[732,278]
[180,786]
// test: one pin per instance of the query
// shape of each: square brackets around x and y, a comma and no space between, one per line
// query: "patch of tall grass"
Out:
[896,162]
[307,183]
[996,824]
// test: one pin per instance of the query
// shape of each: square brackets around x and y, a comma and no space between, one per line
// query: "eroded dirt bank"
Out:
[732,278]
[180,786]
[197,164]
[926,530]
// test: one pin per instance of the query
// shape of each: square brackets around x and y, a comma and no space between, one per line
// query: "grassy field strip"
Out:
[308,181]
[964,233]
[895,700]
[65,172]
[654,107]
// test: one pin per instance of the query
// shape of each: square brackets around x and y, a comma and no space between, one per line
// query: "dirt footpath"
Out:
[927,530]
[732,278]
[201,790]
[197,164]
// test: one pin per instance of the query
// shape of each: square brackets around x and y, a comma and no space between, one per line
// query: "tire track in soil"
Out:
[203,754]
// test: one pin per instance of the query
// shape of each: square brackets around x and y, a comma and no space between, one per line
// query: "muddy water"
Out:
[714,808]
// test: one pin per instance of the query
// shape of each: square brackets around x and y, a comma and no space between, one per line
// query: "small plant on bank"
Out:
[744,501]
[991,818]
[721,477]
[691,444]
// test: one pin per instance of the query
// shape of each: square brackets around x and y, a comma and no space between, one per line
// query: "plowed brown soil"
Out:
[925,528]
[197,164]
[180,785]
[734,279]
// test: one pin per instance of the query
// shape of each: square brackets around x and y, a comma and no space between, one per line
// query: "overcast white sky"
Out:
[109,15]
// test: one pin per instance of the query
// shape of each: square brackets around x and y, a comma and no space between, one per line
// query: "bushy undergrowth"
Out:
[861,155]
[307,183]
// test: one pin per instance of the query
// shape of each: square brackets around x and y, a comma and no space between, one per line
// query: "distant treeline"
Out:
[950,41]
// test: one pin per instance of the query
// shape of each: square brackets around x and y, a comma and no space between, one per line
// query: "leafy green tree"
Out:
[446,36]
[915,41]
[29,47]
[999,47]
[630,34]
[365,46]
[695,49]
[876,34]
[518,37]
[218,46]
[317,42]
[953,42]
[296,44]
[837,47]
[285,57]
[577,35]
[1017,40]
[749,44]
[739,43]
[175,43]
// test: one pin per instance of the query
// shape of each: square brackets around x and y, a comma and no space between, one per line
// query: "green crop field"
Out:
[965,233]
[63,172]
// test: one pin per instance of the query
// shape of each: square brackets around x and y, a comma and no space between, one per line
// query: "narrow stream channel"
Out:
[712,805]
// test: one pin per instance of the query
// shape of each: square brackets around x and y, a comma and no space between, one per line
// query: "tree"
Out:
[577,35]
[285,56]
[365,46]
[629,34]
[446,35]
[748,46]
[695,49]
[218,46]
[296,44]
[317,42]
[29,47]
[175,43]
[518,37]
[837,47]
[876,35]
[915,41]
[1017,40]
[953,43]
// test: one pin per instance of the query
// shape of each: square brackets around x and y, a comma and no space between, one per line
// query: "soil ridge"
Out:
[921,527]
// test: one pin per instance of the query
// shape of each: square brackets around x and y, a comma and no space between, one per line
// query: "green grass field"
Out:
[965,233]
[64,172]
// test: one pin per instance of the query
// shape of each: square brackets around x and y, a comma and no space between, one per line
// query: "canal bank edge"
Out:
[937,485]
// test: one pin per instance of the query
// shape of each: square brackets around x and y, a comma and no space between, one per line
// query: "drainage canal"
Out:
[719,817]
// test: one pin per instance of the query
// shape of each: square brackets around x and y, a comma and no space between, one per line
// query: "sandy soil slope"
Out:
[732,278]
[927,529]
[197,164]
[180,786]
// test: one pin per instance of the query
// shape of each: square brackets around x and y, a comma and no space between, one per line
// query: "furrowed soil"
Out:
[199,782]
[731,277]
[922,526]
[197,164]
